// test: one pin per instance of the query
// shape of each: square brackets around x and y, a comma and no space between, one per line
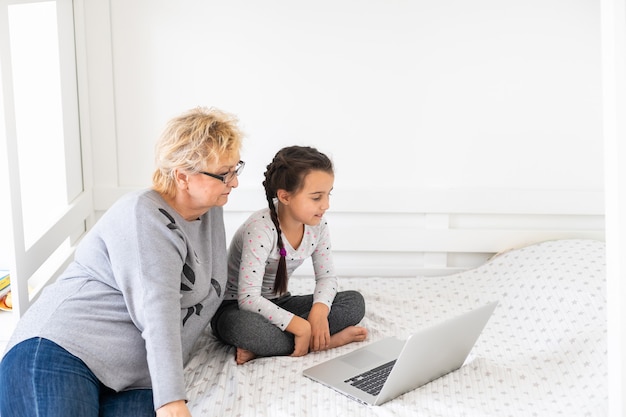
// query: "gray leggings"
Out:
[253,332]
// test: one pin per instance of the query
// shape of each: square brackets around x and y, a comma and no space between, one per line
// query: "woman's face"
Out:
[206,191]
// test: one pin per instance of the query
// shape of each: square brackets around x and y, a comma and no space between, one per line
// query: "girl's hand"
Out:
[320,333]
[301,330]
[174,409]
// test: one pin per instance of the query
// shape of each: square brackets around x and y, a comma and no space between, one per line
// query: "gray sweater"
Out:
[143,285]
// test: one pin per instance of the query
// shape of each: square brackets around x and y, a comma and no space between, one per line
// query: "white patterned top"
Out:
[253,260]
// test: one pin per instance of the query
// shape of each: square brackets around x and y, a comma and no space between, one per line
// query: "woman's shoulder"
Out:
[145,196]
[143,204]
[127,202]
[125,213]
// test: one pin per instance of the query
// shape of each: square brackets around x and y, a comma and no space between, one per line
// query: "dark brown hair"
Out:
[287,172]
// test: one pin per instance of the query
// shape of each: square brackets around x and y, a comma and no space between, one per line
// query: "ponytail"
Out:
[280,282]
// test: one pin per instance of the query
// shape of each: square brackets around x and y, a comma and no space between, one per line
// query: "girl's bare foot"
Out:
[348,335]
[242,356]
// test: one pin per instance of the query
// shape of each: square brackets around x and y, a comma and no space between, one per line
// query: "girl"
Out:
[259,316]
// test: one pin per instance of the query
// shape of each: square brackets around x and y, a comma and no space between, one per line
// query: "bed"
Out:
[543,352]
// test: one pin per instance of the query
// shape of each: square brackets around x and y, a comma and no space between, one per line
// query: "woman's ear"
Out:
[182,179]
[283,196]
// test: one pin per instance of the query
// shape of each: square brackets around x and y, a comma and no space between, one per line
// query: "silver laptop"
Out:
[383,370]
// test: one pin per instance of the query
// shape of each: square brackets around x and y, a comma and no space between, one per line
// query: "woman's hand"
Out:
[174,409]
[301,329]
[320,333]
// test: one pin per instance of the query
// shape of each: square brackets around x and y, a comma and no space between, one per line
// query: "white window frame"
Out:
[50,254]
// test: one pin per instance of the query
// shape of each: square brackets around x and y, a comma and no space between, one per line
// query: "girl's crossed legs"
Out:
[253,335]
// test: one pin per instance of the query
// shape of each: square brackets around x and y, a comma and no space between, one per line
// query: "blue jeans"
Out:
[40,378]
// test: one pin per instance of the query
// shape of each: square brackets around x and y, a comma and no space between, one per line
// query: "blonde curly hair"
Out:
[191,140]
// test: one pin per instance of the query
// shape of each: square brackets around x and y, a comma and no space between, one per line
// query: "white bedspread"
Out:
[543,352]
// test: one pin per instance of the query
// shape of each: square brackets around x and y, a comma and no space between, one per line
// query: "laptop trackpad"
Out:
[361,358]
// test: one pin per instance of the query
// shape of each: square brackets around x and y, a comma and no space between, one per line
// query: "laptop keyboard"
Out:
[372,381]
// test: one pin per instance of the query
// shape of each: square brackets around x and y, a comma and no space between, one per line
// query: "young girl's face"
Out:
[309,204]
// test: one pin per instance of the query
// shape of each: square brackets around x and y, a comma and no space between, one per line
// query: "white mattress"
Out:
[543,352]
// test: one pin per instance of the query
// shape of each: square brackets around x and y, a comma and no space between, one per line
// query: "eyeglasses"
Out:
[230,175]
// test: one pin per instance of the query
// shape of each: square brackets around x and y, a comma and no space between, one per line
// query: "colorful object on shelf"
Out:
[5,279]
[6,302]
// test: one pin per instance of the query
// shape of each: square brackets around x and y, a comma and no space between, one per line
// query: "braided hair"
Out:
[287,172]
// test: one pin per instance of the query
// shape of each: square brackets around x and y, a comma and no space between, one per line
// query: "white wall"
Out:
[448,93]
[412,99]
[614,108]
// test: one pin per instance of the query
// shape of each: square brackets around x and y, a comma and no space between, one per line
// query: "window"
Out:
[44,202]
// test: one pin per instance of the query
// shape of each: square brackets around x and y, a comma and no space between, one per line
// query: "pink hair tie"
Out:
[283,252]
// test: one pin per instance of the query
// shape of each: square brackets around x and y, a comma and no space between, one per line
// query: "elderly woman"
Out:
[112,335]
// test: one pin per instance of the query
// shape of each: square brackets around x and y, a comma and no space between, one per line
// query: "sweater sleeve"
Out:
[324,268]
[257,245]
[147,268]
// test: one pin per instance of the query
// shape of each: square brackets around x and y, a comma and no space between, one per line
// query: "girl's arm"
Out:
[252,287]
[325,289]
[320,333]
[301,329]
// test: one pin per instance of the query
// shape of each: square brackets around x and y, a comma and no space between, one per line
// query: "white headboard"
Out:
[440,231]
[436,230]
